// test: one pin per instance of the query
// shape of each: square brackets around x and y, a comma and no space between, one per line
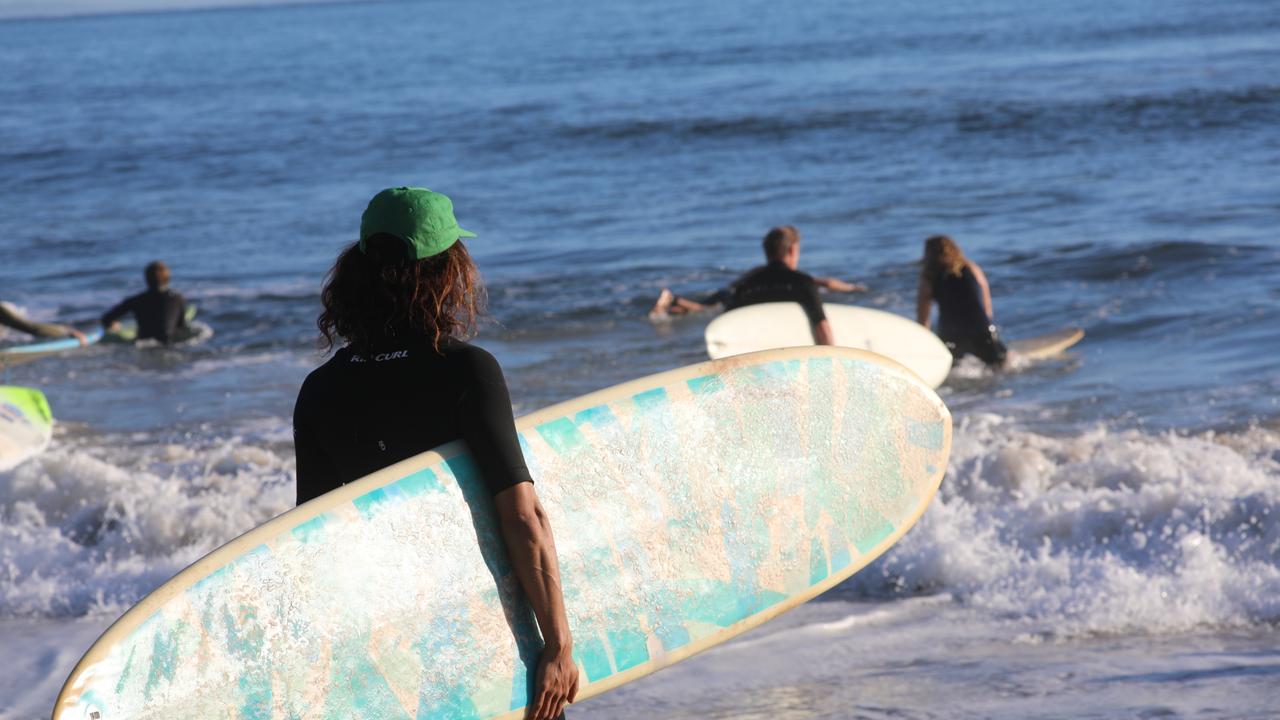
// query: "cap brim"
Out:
[465,233]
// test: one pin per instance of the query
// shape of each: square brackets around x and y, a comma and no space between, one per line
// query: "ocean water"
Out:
[1107,541]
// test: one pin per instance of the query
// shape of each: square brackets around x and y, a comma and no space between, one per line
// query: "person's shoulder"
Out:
[327,372]
[467,355]
[750,274]
[802,276]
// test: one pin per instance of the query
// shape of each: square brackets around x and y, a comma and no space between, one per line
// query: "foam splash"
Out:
[1092,533]
[1102,532]
[80,534]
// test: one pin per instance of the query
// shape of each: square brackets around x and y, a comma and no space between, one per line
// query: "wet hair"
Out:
[380,293]
[156,274]
[779,241]
[942,256]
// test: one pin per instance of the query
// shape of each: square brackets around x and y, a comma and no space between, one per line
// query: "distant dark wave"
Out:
[1164,259]
[1147,114]
[1192,109]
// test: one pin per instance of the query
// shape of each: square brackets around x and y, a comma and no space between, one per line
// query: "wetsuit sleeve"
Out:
[811,303]
[723,296]
[316,471]
[485,421]
[117,312]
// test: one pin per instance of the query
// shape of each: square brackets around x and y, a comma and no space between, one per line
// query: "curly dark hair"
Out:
[380,293]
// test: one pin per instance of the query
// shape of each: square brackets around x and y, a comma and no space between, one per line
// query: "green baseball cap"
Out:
[423,219]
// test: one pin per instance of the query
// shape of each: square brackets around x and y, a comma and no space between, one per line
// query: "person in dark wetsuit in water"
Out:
[403,299]
[966,323]
[776,281]
[160,312]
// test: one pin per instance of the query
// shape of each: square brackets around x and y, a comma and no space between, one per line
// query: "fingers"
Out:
[543,705]
[540,706]
[555,686]
[572,694]
[550,702]
[550,706]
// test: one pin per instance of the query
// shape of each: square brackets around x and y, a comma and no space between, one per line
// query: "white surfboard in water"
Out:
[777,325]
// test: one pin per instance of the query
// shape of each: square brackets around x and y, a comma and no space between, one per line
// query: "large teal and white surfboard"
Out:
[688,507]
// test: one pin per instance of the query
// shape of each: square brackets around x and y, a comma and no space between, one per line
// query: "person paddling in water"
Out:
[966,321]
[161,313]
[777,243]
[403,300]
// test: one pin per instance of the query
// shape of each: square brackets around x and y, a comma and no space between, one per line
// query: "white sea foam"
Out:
[88,530]
[1101,532]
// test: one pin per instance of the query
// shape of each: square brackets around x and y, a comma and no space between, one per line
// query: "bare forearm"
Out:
[822,333]
[924,304]
[838,285]
[533,554]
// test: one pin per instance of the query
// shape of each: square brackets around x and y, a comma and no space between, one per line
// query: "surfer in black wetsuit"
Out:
[403,299]
[11,318]
[776,281]
[159,311]
[966,323]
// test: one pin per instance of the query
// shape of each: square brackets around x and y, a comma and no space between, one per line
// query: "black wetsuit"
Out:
[160,313]
[776,282]
[360,413]
[963,323]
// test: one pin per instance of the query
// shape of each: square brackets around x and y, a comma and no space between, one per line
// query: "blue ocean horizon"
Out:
[1106,541]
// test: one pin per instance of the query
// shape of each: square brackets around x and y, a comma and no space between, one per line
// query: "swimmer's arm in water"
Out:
[669,303]
[111,318]
[12,318]
[924,302]
[837,285]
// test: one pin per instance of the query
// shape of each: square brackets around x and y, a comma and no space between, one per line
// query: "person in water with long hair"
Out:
[966,321]
[403,300]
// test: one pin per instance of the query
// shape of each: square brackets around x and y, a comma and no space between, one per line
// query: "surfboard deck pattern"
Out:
[26,425]
[1047,345]
[776,325]
[688,507]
